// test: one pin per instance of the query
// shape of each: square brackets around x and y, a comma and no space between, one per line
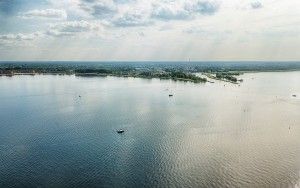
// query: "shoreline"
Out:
[208,75]
[102,75]
[176,72]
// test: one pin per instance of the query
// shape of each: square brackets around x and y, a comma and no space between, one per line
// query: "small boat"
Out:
[79,96]
[170,95]
[120,131]
[294,95]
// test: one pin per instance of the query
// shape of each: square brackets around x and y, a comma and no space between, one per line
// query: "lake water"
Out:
[206,135]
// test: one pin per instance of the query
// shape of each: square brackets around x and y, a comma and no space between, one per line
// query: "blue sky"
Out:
[149,30]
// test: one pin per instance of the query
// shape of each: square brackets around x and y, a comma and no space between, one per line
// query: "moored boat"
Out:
[120,131]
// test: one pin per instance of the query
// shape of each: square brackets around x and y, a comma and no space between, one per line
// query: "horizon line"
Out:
[149,61]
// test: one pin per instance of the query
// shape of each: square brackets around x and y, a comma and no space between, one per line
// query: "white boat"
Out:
[120,131]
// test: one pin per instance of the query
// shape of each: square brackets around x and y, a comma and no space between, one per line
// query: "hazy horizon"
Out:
[145,61]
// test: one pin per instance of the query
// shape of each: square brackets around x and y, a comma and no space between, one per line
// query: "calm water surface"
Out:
[207,135]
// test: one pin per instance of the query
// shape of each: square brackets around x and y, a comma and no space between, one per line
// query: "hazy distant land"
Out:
[181,71]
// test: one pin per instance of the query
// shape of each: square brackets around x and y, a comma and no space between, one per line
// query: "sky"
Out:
[150,30]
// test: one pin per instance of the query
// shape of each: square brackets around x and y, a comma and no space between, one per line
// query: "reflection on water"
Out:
[206,135]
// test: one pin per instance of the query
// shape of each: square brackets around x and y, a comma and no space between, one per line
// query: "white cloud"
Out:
[19,36]
[204,7]
[136,13]
[130,19]
[256,4]
[124,1]
[99,9]
[18,39]
[46,13]
[181,10]
[73,27]
[169,11]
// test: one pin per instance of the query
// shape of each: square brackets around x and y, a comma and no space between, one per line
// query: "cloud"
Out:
[99,9]
[131,19]
[207,31]
[11,39]
[19,37]
[47,13]
[129,13]
[169,11]
[72,28]
[166,27]
[141,34]
[256,5]
[194,30]
[184,10]
[124,1]
[203,7]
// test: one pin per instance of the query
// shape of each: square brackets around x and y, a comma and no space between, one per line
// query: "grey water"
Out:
[206,135]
